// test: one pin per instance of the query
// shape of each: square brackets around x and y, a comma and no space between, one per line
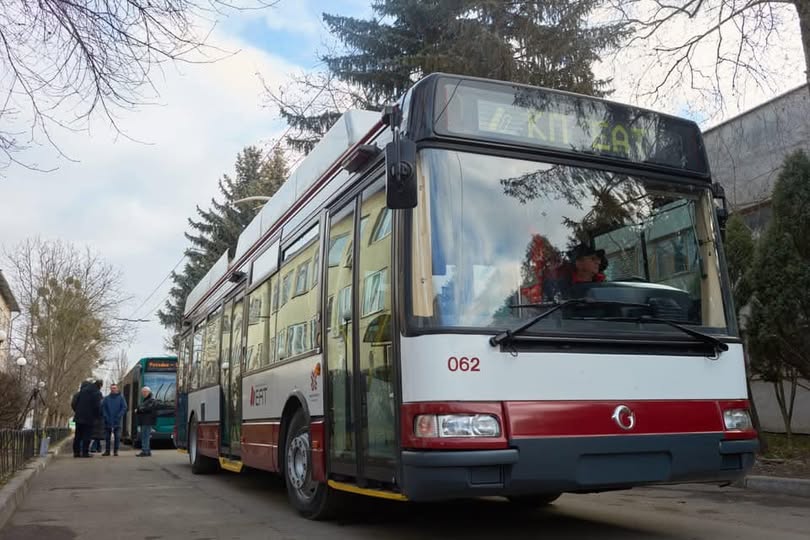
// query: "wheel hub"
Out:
[298,467]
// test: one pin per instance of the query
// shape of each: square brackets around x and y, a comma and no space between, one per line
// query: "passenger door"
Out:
[361,396]
[231,376]
[339,341]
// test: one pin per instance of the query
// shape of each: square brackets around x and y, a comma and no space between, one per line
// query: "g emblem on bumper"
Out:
[624,417]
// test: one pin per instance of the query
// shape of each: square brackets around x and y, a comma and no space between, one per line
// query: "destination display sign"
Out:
[503,112]
[161,365]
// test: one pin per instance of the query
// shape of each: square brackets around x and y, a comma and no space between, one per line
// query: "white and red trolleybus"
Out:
[489,289]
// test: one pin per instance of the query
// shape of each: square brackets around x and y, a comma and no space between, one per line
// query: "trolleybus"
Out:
[489,289]
[159,373]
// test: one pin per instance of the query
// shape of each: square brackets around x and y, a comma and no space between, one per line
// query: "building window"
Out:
[383,226]
[374,288]
[286,288]
[301,279]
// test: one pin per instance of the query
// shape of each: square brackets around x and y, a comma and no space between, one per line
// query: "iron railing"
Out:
[18,446]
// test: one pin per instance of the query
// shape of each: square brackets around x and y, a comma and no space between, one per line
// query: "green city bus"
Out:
[159,373]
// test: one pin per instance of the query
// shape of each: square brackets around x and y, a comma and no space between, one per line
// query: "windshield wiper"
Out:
[508,335]
[700,336]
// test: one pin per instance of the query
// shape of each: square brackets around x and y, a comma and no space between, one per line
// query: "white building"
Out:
[8,305]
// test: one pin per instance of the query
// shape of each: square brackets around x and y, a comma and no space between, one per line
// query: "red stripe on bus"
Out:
[585,418]
[316,443]
[522,419]
[260,445]
[208,439]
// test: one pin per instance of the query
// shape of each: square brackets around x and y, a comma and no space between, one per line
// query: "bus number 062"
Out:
[463,364]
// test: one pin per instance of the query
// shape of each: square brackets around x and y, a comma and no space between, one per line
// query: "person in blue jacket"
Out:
[114,407]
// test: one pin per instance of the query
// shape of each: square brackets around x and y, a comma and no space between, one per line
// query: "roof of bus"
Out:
[349,130]
[166,357]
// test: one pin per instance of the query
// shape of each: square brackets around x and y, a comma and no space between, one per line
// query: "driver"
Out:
[589,263]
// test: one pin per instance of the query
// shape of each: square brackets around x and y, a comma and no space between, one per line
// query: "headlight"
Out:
[737,419]
[456,425]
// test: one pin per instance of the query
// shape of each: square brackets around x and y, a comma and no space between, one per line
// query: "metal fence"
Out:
[17,446]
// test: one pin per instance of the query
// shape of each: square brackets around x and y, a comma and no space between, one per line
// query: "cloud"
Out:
[129,200]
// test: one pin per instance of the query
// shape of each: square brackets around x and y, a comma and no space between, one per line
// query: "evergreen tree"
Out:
[217,229]
[739,246]
[778,329]
[546,43]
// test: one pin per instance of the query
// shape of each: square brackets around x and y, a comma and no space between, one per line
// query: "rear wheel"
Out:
[534,501]
[313,500]
[200,464]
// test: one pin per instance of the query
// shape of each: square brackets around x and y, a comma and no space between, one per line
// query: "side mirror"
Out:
[400,173]
[721,212]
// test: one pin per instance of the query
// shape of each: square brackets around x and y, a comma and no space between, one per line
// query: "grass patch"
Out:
[778,447]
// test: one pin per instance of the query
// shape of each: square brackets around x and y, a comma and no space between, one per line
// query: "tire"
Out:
[200,464]
[530,502]
[313,500]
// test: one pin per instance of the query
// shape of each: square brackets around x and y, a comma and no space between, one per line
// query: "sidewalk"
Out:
[13,491]
[101,497]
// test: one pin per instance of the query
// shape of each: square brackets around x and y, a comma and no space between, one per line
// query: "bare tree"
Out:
[119,368]
[62,60]
[716,48]
[69,300]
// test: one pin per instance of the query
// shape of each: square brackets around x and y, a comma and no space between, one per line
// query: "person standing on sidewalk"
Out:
[114,407]
[87,406]
[98,425]
[147,417]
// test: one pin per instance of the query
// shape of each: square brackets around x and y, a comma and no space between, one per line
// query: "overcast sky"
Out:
[129,201]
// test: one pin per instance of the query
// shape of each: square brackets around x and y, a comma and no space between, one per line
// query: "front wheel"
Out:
[313,500]
[534,501]
[200,464]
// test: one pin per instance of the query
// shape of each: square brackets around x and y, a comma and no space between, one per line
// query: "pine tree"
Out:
[546,43]
[217,229]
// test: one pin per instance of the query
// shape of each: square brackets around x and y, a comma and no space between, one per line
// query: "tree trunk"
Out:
[803,8]
[779,389]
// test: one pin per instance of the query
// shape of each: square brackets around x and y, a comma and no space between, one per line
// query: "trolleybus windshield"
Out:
[493,233]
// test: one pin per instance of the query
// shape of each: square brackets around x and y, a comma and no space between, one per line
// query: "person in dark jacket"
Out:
[113,408]
[98,426]
[86,405]
[147,417]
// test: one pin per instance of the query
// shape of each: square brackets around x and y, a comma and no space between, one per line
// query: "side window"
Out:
[211,354]
[196,362]
[258,322]
[181,366]
[299,302]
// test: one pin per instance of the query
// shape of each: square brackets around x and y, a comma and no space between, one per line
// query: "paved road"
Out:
[158,498]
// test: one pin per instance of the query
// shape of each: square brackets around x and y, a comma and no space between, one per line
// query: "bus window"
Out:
[257,324]
[196,362]
[211,354]
[299,300]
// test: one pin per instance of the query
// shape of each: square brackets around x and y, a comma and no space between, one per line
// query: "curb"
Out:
[778,485]
[13,493]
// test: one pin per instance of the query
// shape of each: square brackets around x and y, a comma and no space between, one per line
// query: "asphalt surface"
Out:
[107,498]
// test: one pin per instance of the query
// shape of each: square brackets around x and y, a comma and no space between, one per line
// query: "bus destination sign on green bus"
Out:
[567,123]
[154,364]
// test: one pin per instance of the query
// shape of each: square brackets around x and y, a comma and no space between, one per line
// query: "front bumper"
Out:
[576,464]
